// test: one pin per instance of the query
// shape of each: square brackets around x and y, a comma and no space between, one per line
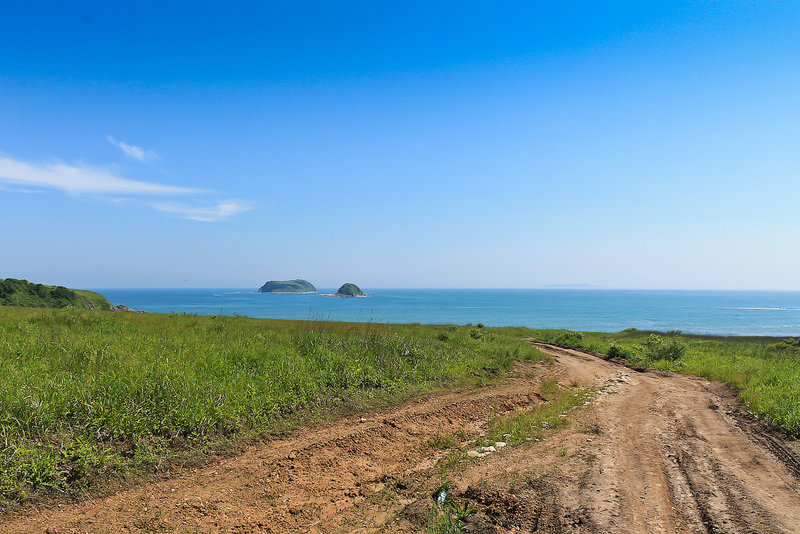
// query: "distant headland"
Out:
[288,286]
[14,292]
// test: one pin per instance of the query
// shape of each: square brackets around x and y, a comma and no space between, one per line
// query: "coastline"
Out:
[770,314]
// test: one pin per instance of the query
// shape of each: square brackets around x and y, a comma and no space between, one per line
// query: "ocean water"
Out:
[763,313]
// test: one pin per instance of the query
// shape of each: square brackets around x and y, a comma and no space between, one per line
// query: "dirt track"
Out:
[658,453]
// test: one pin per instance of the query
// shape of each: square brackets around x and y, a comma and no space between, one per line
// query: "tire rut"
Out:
[674,461]
[301,481]
[654,452]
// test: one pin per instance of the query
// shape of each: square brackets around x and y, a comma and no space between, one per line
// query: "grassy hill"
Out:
[14,292]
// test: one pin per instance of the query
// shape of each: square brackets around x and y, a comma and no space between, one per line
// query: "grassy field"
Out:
[766,371]
[86,396]
[89,396]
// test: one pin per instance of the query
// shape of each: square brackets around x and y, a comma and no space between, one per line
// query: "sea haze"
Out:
[700,312]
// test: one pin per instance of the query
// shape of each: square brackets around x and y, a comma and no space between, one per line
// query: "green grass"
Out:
[87,395]
[92,300]
[535,421]
[765,371]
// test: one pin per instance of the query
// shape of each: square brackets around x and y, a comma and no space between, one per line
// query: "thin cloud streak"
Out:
[134,152]
[80,179]
[222,210]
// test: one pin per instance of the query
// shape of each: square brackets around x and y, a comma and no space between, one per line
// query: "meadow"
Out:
[90,397]
[765,371]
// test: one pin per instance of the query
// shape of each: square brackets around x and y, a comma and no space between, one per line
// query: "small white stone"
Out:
[500,444]
[473,454]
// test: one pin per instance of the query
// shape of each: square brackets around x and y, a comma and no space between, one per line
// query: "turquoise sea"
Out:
[763,313]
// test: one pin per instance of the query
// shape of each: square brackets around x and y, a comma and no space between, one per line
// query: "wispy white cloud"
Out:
[135,152]
[16,189]
[18,176]
[80,179]
[220,210]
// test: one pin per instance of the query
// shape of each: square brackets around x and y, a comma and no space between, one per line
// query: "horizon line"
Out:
[539,288]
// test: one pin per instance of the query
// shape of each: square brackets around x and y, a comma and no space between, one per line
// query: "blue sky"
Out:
[617,144]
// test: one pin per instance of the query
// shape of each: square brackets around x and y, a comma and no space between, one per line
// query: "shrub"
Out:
[789,344]
[658,348]
[570,339]
[616,351]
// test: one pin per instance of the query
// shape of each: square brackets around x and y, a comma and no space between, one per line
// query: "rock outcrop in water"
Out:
[350,290]
[288,286]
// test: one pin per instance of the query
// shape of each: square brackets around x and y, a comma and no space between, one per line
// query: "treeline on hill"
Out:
[765,370]
[14,292]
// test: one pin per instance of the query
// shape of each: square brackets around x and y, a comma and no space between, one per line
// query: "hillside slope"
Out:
[14,292]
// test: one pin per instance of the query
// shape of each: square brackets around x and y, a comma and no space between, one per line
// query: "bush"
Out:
[570,339]
[789,344]
[658,348]
[615,351]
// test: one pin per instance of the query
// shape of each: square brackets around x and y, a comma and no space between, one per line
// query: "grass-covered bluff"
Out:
[88,395]
[14,292]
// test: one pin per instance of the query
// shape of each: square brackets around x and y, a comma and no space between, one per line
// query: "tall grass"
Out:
[85,395]
[766,371]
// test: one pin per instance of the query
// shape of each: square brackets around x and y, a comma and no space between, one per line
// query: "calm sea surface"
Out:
[699,312]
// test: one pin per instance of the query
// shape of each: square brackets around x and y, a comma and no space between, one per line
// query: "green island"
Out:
[350,290]
[88,396]
[14,292]
[288,286]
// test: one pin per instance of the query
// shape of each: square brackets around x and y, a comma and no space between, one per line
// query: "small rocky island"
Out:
[288,286]
[350,290]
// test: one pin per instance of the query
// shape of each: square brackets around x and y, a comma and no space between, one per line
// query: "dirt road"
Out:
[653,453]
[676,454]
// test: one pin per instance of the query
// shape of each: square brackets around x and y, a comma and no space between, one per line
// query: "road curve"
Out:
[677,454]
